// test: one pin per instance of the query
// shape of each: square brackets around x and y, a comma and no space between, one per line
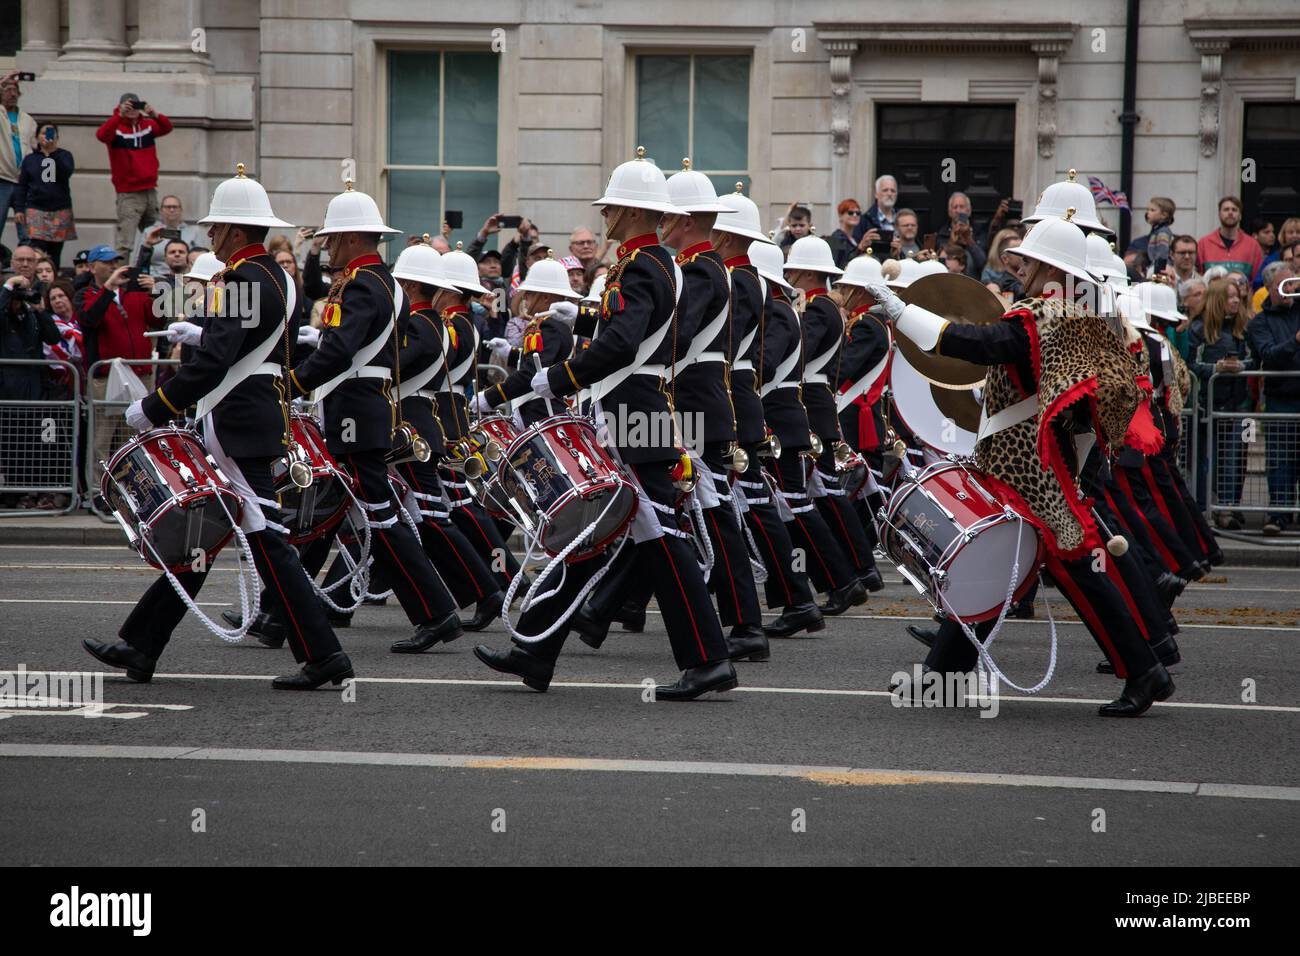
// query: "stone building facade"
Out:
[525,105]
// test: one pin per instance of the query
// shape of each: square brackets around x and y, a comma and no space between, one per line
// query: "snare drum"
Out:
[562,480]
[947,533]
[493,435]
[316,510]
[171,499]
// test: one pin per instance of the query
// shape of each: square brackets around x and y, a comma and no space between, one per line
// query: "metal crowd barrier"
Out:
[38,443]
[106,427]
[1254,457]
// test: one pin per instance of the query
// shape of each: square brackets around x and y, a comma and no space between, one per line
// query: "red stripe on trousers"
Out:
[275,578]
[1171,563]
[1160,498]
[776,559]
[1060,574]
[383,538]
[1156,496]
[731,577]
[432,523]
[1113,572]
[704,655]
[830,578]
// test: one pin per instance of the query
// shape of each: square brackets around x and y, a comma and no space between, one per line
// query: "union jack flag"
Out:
[1104,194]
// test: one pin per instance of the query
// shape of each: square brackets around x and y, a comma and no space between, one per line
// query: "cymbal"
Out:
[960,405]
[961,300]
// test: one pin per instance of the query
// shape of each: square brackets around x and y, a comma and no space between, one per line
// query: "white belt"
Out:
[742,365]
[429,393]
[656,370]
[711,357]
[773,387]
[815,378]
[269,368]
[372,371]
[1021,411]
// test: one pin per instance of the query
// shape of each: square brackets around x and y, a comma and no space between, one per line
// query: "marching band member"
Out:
[351,372]
[1056,371]
[778,372]
[234,376]
[463,355]
[840,554]
[623,369]
[733,236]
[423,365]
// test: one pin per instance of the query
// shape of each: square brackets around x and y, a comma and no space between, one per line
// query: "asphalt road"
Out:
[435,759]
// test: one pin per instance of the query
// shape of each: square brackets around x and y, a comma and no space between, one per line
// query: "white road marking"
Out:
[843,776]
[638,687]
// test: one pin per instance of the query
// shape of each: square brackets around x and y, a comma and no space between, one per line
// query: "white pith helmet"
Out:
[1129,304]
[1101,261]
[862,271]
[1159,301]
[1058,197]
[549,276]
[421,263]
[812,253]
[640,184]
[597,289]
[767,260]
[909,270]
[461,271]
[691,191]
[1059,243]
[745,222]
[205,267]
[352,211]
[930,267]
[242,202]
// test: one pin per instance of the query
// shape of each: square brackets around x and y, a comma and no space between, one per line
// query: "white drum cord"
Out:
[700,535]
[987,666]
[358,576]
[247,569]
[756,565]
[533,595]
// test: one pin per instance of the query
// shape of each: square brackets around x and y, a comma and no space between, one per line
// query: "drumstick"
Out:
[157,335]
[1116,544]
[537,361]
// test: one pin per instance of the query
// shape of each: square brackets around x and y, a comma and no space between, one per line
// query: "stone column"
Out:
[172,39]
[842,53]
[96,35]
[40,36]
[1049,59]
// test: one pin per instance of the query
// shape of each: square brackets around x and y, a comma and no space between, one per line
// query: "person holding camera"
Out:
[24,331]
[22,137]
[43,197]
[960,231]
[131,135]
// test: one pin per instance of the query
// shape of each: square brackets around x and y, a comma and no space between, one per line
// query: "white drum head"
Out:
[922,416]
[978,575]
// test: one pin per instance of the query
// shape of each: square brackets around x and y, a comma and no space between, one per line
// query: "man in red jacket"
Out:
[130,135]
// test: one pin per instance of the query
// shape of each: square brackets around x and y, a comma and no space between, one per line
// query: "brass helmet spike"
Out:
[1069,213]
[771,235]
[686,162]
[868,252]
[812,230]
[347,185]
[640,152]
[1071,174]
[425,237]
[459,245]
[239,170]
[1114,248]
[550,253]
[740,188]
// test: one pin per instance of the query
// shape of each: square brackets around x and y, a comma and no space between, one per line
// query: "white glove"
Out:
[566,312]
[541,385]
[500,349]
[136,418]
[481,404]
[186,333]
[887,299]
[309,335]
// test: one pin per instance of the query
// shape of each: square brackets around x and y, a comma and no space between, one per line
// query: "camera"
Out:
[169,234]
[25,295]
[455,218]
[509,222]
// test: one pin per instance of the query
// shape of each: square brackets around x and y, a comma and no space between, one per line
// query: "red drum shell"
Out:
[163,486]
[328,498]
[977,570]
[559,470]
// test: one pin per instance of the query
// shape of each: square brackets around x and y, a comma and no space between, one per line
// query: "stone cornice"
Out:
[950,37]
[1216,35]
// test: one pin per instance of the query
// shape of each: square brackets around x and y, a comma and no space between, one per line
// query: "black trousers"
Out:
[679,588]
[399,557]
[827,564]
[288,594]
[1169,544]
[1099,597]
[480,529]
[842,518]
[787,582]
[1172,495]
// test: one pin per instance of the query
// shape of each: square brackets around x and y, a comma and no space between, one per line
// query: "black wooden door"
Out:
[974,146]
[1271,139]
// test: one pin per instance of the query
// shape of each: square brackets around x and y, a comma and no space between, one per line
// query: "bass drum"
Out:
[914,400]
[950,536]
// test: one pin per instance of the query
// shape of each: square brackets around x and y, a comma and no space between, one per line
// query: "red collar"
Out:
[858,311]
[455,310]
[638,242]
[253,249]
[778,293]
[814,293]
[421,306]
[1049,293]
[692,251]
[369,259]
[736,261]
